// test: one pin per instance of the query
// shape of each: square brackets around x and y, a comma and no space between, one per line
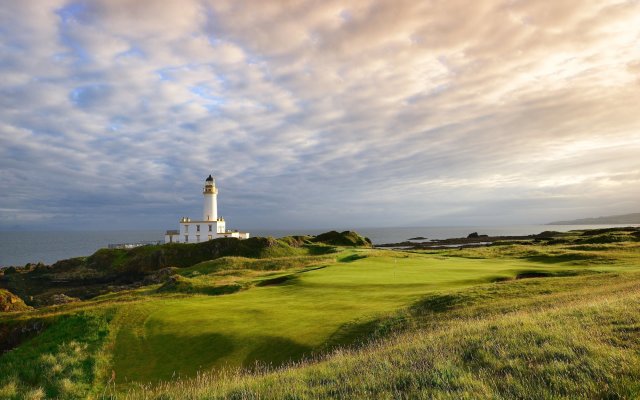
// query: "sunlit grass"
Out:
[288,321]
[549,338]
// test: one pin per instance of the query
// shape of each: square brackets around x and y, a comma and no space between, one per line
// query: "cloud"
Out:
[318,114]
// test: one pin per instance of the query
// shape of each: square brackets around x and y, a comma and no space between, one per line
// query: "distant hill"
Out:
[613,219]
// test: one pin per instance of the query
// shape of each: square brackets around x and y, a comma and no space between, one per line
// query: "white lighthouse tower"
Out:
[210,227]
[210,193]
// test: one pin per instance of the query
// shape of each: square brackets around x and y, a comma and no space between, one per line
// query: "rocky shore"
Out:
[472,240]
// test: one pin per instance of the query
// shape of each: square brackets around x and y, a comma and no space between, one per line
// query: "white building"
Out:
[211,226]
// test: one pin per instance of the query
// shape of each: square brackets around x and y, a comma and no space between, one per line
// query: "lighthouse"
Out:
[210,193]
[211,226]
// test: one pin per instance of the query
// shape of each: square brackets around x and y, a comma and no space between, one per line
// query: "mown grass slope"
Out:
[571,337]
[286,320]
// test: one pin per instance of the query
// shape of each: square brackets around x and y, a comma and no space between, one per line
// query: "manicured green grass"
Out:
[570,337]
[283,322]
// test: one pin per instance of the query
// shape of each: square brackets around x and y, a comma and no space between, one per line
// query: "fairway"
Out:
[165,337]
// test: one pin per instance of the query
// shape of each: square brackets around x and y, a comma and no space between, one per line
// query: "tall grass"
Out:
[63,362]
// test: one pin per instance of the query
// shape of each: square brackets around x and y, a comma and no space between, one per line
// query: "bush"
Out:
[346,238]
[180,284]
[604,238]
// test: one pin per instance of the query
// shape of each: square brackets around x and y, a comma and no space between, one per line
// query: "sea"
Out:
[18,248]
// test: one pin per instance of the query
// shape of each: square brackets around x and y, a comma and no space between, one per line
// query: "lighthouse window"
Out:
[186,228]
[198,228]
[209,228]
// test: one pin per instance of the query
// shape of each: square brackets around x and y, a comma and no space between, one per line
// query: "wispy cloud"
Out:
[318,113]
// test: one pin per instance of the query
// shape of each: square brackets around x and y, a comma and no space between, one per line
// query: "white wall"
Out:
[210,209]
[189,232]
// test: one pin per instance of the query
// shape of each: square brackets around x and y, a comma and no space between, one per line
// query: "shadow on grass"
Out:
[352,333]
[352,258]
[534,274]
[179,284]
[554,274]
[359,333]
[567,257]
[165,356]
[275,351]
[437,303]
[287,279]
[318,250]
[278,280]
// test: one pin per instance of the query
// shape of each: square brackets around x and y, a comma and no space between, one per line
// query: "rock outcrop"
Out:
[9,302]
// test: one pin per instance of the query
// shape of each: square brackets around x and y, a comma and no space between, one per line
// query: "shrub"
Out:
[346,238]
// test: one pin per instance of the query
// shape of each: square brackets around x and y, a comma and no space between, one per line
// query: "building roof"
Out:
[209,179]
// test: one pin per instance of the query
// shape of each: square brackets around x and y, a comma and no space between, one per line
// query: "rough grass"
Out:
[149,258]
[179,284]
[266,264]
[228,275]
[618,254]
[63,362]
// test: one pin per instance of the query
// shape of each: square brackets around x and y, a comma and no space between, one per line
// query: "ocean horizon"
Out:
[18,248]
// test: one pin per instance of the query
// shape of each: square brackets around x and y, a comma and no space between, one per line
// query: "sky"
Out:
[317,114]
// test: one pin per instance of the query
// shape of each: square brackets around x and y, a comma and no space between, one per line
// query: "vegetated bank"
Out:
[110,270]
[553,317]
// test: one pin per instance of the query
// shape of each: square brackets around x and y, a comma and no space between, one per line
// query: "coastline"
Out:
[20,248]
